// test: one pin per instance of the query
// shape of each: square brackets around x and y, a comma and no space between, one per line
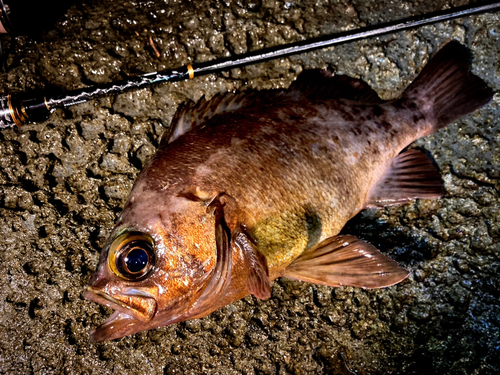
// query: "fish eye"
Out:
[132,256]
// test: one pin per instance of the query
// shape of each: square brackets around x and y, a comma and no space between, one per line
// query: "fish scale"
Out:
[317,174]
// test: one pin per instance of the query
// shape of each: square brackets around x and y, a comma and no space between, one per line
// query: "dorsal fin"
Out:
[325,84]
[191,115]
[322,84]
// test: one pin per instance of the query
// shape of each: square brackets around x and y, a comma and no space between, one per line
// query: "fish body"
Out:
[251,187]
[291,191]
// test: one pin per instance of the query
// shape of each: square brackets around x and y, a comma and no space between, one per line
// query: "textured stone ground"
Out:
[64,182]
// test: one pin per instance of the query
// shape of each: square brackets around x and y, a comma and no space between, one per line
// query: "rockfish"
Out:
[249,187]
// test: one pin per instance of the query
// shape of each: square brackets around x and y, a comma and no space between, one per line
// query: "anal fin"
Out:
[412,175]
[346,261]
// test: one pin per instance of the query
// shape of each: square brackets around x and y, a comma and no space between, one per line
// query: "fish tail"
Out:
[446,89]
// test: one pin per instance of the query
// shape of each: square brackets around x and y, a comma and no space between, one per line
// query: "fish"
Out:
[249,187]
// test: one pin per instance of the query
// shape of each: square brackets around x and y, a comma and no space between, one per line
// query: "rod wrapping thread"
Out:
[134,83]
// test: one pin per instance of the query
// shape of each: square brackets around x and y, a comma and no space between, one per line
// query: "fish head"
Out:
[154,265]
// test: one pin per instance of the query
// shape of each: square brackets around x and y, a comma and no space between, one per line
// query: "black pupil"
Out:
[137,260]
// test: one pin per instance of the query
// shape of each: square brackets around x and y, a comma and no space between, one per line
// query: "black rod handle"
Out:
[16,112]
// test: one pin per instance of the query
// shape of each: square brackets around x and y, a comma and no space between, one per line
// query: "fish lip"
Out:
[123,321]
[105,330]
[98,296]
[116,326]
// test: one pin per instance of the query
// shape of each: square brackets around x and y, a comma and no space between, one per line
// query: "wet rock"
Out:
[134,104]
[115,163]
[420,313]
[145,152]
[117,188]
[91,129]
[64,182]
[121,144]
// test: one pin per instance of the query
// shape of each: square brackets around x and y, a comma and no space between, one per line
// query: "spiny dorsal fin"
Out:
[322,84]
[325,84]
[346,261]
[412,175]
[191,115]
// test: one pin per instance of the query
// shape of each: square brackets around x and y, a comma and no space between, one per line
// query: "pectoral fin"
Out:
[258,283]
[411,175]
[346,261]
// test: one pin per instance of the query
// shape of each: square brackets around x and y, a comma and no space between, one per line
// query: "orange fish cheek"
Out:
[175,288]
[183,269]
[198,238]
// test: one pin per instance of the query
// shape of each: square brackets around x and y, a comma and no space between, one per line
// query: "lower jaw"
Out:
[118,325]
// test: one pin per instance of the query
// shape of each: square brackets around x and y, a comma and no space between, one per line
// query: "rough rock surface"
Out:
[65,180]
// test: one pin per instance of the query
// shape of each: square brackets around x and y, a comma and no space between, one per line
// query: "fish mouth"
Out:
[134,309]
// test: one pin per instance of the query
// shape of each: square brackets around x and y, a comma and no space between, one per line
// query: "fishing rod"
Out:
[16,110]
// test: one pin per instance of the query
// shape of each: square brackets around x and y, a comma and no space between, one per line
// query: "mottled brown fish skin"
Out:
[289,172]
[297,174]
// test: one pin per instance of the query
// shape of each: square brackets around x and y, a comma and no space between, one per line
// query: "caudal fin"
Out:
[446,88]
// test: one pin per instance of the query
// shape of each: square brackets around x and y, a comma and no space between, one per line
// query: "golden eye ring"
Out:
[132,256]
